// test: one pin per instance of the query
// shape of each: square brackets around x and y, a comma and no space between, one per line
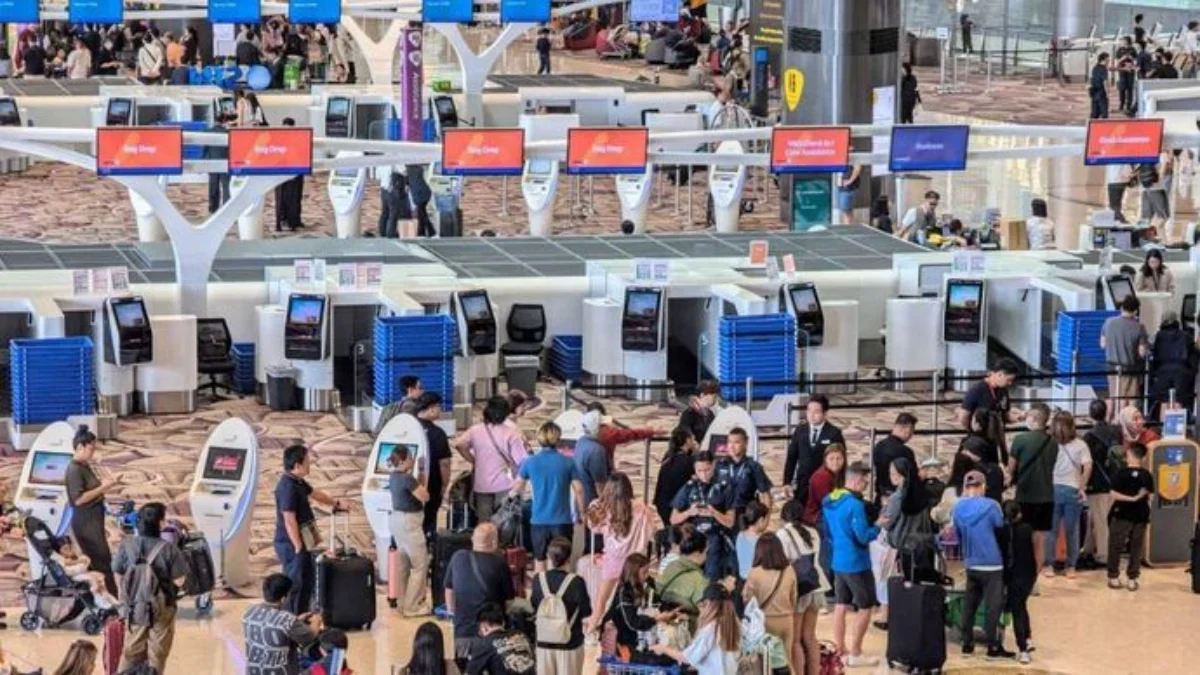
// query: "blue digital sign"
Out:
[19,11]
[641,11]
[447,11]
[95,11]
[524,11]
[314,11]
[929,148]
[234,11]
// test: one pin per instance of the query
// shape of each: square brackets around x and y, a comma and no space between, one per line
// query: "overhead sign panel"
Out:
[483,152]
[447,11]
[270,151]
[607,150]
[524,11]
[234,11]
[928,148]
[139,151]
[96,11]
[19,11]
[314,11]
[810,149]
[641,11]
[1124,141]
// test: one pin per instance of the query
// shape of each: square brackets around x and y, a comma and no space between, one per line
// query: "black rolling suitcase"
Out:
[345,586]
[201,576]
[445,544]
[917,642]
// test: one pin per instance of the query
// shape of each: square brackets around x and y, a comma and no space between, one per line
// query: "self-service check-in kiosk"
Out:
[149,225]
[10,116]
[401,431]
[1173,511]
[222,498]
[1116,288]
[346,190]
[726,182]
[307,344]
[643,339]
[447,197]
[250,223]
[337,117]
[477,342]
[42,488]
[633,191]
[964,329]
[443,112]
[353,111]
[118,112]
[804,304]
[539,180]
[716,439]
[127,339]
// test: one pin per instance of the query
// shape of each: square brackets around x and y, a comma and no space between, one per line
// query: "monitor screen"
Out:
[9,115]
[804,298]
[718,444]
[810,321]
[1119,287]
[119,111]
[540,167]
[929,148]
[385,453]
[475,306]
[931,277]
[611,150]
[226,108]
[305,310]
[963,318]
[642,305]
[1123,141]
[346,172]
[640,324]
[49,468]
[303,331]
[445,107]
[130,313]
[338,107]
[225,463]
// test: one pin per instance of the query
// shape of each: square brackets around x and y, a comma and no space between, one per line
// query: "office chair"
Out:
[213,355]
[526,327]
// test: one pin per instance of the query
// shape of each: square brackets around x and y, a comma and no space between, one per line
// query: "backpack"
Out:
[142,596]
[1147,175]
[553,624]
[808,578]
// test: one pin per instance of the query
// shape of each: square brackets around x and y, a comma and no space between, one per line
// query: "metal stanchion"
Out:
[1146,392]
[678,179]
[1045,62]
[1171,399]
[646,473]
[870,452]
[504,196]
[566,395]
[1074,376]
[749,392]
[936,377]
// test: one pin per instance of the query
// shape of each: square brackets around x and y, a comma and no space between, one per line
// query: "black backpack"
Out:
[1147,174]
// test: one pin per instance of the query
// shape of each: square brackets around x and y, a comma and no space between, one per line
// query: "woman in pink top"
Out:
[628,525]
[496,451]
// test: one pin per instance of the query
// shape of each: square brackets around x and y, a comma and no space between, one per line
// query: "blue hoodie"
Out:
[977,519]
[846,520]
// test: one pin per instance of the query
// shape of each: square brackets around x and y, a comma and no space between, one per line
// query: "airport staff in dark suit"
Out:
[288,198]
[806,450]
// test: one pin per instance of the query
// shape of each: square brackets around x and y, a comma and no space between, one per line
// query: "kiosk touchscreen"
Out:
[726,182]
[444,112]
[806,307]
[716,439]
[119,112]
[306,328]
[962,320]
[641,322]
[1173,511]
[10,115]
[1119,287]
[633,190]
[128,338]
[42,488]
[401,431]
[222,497]
[477,322]
[346,189]
[337,117]
[571,424]
[539,183]
[224,109]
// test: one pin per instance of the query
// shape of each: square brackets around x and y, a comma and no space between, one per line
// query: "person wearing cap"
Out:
[593,465]
[850,535]
[700,411]
[613,434]
[892,447]
[976,519]
[806,449]
[745,476]
[435,475]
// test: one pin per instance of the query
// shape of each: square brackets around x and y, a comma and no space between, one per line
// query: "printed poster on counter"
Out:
[643,270]
[81,282]
[118,279]
[661,271]
[374,274]
[759,249]
[789,263]
[99,281]
[303,270]
[318,270]
[347,276]
[19,11]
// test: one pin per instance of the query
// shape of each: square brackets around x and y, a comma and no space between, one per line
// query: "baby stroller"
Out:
[54,599]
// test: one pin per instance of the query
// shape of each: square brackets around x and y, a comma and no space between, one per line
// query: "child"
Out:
[543,51]
[75,566]
[406,525]
[1020,574]
[1132,488]
[755,520]
[334,645]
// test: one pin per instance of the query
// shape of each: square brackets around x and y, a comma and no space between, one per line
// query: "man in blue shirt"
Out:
[556,483]
[296,533]
[976,518]
[591,461]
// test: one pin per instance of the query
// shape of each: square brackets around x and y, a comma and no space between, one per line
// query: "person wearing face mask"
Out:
[707,503]
[106,61]
[86,494]
[700,411]
[807,447]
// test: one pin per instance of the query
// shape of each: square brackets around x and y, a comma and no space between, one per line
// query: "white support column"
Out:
[195,246]
[476,67]
[380,56]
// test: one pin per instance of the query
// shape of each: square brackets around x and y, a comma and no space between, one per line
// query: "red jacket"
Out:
[611,436]
[820,485]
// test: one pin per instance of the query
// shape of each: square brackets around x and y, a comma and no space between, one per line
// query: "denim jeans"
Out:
[300,568]
[1067,510]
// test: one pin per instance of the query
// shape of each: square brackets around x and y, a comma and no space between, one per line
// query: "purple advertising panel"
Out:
[411,82]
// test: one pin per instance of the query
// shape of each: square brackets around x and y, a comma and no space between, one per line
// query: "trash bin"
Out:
[522,373]
[281,388]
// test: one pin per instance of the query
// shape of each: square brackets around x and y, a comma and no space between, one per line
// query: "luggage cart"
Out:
[614,666]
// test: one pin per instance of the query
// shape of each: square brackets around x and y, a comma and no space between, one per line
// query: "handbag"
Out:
[509,464]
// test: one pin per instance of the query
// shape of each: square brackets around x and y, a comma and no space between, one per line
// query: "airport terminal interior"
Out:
[230,229]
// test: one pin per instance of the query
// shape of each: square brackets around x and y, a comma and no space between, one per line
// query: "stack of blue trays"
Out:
[566,357]
[762,347]
[414,345]
[52,379]
[191,151]
[1080,332]
[243,368]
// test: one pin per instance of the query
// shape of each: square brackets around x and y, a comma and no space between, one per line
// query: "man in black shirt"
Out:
[34,59]
[806,450]
[991,393]
[891,448]
[296,533]
[565,657]
[473,579]
[436,472]
[699,414]
[1098,87]
[498,651]
[1132,490]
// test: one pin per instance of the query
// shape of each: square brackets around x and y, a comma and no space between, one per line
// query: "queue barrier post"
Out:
[566,395]
[1146,391]
[1171,398]
[504,196]
[1074,376]
[646,471]
[749,392]
[934,404]
[870,454]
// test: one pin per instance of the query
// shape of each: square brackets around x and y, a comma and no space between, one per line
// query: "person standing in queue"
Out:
[435,474]
[421,195]
[1098,87]
[910,95]
[296,532]
[86,493]
[707,503]
[289,198]
[806,450]
[745,476]
[991,393]
[701,410]
[892,447]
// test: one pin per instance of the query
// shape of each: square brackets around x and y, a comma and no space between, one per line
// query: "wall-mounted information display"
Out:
[483,152]
[235,11]
[446,11]
[1123,141]
[19,11]
[524,11]
[139,151]
[607,150]
[929,148]
[96,11]
[270,151]
[314,11]
[810,149]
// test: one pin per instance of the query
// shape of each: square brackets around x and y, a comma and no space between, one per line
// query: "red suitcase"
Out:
[114,644]
[517,559]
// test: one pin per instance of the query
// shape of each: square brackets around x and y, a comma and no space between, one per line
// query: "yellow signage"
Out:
[1174,481]
[793,87]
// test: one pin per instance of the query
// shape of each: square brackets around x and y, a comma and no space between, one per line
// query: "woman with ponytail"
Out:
[86,492]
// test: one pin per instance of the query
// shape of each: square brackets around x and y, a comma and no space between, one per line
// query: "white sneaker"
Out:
[1114,583]
[861,661]
[1023,658]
